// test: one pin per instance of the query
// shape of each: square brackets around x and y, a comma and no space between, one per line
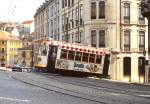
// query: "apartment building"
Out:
[9,45]
[114,24]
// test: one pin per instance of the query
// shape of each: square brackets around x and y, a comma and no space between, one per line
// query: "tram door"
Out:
[51,58]
[106,66]
[141,67]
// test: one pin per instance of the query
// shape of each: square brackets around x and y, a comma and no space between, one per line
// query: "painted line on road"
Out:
[13,99]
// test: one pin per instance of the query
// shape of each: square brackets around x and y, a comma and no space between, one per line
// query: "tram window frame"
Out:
[91,58]
[71,55]
[85,57]
[76,58]
[64,52]
[99,61]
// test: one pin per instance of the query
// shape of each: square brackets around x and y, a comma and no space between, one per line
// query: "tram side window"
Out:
[78,56]
[98,59]
[63,54]
[85,57]
[92,58]
[71,55]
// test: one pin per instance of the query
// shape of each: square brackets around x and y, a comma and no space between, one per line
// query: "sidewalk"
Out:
[5,69]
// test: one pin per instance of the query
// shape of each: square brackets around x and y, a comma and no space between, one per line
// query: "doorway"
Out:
[127,67]
[141,68]
[106,66]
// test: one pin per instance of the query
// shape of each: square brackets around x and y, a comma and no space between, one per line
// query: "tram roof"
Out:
[78,47]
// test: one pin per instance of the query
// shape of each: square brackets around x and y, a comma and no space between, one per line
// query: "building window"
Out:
[77,15]
[3,42]
[127,40]
[101,9]
[23,54]
[81,15]
[72,20]
[65,3]
[67,37]
[141,18]
[81,36]
[76,37]
[126,12]
[102,38]
[93,10]
[93,38]
[141,41]
[72,2]
[73,38]
[3,50]
[68,3]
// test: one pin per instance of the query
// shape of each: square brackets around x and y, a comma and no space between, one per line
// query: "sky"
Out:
[18,10]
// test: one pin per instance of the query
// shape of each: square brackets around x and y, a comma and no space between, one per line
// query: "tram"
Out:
[70,57]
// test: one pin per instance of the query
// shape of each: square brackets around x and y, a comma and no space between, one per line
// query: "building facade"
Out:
[26,52]
[117,25]
[9,46]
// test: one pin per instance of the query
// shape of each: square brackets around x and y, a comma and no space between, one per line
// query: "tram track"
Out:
[56,89]
[83,91]
[103,87]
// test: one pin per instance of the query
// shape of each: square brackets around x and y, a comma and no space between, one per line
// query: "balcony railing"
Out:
[126,19]
[141,48]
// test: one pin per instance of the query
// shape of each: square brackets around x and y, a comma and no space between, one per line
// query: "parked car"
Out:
[26,69]
[17,68]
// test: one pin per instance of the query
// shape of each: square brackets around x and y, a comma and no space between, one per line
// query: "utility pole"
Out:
[79,40]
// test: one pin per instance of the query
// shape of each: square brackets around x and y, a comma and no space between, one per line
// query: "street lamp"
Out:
[145,10]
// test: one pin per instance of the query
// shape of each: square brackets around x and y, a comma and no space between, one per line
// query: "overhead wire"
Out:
[12,7]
